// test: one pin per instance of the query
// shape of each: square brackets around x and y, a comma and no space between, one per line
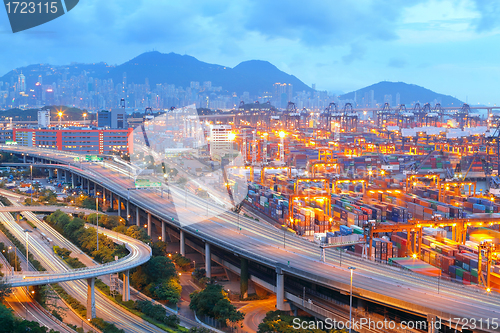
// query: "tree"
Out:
[214,302]
[159,248]
[139,279]
[5,288]
[8,320]
[160,268]
[137,233]
[169,290]
[280,322]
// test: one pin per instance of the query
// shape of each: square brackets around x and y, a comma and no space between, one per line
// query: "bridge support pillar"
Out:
[59,175]
[280,290]
[73,180]
[182,244]
[111,201]
[149,225]
[163,231]
[244,278]
[137,217]
[91,299]
[51,173]
[126,286]
[128,211]
[24,158]
[208,260]
[119,206]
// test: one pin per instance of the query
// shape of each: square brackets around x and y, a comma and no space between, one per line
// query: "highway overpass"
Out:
[291,260]
[139,253]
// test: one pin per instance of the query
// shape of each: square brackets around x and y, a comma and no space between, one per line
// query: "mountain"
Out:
[408,93]
[254,76]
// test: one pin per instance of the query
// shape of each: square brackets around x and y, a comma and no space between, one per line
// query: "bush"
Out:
[105,327]
[181,261]
[157,312]
[57,315]
[214,302]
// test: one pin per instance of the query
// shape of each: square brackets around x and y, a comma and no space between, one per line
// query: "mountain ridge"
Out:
[409,94]
[254,76]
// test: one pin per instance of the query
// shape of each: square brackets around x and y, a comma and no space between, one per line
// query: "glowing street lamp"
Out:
[60,114]
[84,116]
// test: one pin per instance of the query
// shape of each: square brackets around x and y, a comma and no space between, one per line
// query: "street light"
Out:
[60,114]
[27,246]
[31,185]
[84,116]
[97,219]
[350,301]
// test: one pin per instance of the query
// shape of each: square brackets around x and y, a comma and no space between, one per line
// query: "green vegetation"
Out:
[11,257]
[181,261]
[82,201]
[214,302]
[85,238]
[64,254]
[21,248]
[11,324]
[5,201]
[281,322]
[100,323]
[157,278]
[72,302]
[157,312]
[105,327]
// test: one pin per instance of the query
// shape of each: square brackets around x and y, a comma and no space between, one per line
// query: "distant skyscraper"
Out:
[398,99]
[21,83]
[194,85]
[44,118]
[314,86]
[40,79]
[283,93]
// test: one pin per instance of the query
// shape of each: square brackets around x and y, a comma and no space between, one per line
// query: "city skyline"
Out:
[428,43]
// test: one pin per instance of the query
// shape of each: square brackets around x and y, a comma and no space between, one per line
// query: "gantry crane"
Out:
[489,248]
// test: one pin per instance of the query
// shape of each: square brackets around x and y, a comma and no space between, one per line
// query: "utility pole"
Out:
[27,250]
[97,220]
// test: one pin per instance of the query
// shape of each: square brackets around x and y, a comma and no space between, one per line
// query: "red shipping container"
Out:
[464,281]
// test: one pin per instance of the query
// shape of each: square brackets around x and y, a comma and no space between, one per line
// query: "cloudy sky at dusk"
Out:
[451,47]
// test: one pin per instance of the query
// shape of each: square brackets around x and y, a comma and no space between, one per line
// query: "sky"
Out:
[451,47]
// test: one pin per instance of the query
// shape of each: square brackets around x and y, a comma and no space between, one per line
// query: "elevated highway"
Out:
[261,244]
[139,253]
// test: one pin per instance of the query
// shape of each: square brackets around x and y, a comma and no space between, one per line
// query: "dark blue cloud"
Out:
[318,22]
[490,14]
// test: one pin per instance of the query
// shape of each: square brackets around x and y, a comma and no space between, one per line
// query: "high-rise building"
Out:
[21,83]
[44,118]
[283,93]
[220,141]
[104,119]
[115,119]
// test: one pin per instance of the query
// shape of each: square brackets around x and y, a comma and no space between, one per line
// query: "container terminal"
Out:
[414,188]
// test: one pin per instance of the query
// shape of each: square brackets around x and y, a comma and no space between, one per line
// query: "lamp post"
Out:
[60,114]
[31,185]
[97,220]
[84,116]
[27,250]
[282,135]
[350,300]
